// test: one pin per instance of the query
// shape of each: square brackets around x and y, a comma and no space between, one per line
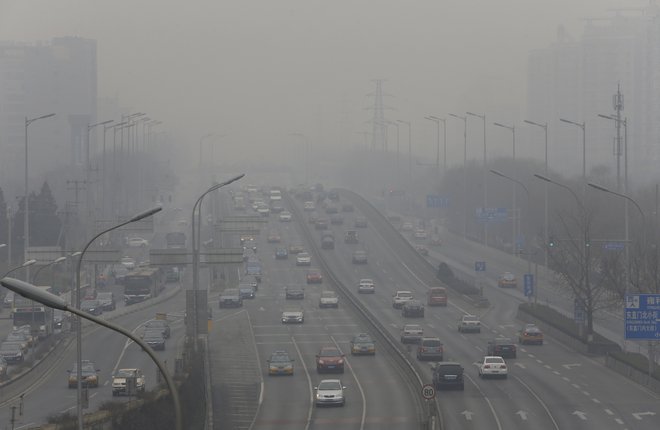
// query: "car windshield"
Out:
[470,318]
[156,323]
[89,304]
[125,373]
[503,341]
[328,295]
[330,352]
[432,343]
[10,347]
[405,294]
[279,358]
[450,369]
[104,296]
[494,360]
[366,281]
[412,327]
[330,385]
[362,338]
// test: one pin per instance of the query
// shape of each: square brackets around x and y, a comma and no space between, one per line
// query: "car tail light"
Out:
[340,361]
[487,366]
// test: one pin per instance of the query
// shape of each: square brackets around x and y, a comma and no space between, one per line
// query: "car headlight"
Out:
[321,362]
[340,362]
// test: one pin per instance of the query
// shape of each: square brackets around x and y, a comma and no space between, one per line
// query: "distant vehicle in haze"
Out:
[175,239]
[121,384]
[137,242]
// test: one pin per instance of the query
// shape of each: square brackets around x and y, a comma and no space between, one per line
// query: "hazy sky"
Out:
[258,70]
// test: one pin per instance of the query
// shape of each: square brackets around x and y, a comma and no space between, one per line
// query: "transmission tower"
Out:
[378,122]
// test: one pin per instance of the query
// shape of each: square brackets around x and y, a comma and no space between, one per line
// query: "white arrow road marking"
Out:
[582,415]
[639,415]
[522,366]
[467,414]
[522,414]
[570,366]
[261,309]
[609,412]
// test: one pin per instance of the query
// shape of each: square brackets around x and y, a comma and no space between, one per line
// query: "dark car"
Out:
[360,222]
[172,274]
[412,308]
[107,300]
[448,374]
[328,243]
[246,291]
[330,359]
[336,219]
[91,307]
[501,347]
[281,254]
[158,324]
[294,293]
[155,339]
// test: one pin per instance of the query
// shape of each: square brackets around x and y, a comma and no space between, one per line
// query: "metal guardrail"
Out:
[381,333]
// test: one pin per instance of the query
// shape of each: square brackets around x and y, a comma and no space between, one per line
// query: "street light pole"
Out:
[34,293]
[483,118]
[465,194]
[512,128]
[135,218]
[26,219]
[444,129]
[88,166]
[545,189]
[436,120]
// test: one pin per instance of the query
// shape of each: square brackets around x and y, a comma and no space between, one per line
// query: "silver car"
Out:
[330,392]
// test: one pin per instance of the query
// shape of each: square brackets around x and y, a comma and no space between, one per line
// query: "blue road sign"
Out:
[528,282]
[614,246]
[479,266]
[492,214]
[642,317]
[436,201]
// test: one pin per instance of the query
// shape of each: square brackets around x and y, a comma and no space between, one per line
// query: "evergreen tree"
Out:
[45,224]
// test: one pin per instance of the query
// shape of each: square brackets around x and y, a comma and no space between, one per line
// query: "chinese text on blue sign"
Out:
[642,316]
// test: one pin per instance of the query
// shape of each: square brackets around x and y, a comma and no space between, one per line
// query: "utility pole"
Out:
[617,102]
[378,120]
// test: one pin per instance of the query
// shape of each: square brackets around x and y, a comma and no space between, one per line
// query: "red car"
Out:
[314,276]
[330,359]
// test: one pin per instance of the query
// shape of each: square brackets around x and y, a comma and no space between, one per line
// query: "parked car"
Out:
[121,382]
[447,375]
[330,392]
[469,323]
[493,366]
[412,308]
[502,347]
[430,348]
[530,334]
[280,363]
[363,344]
[330,359]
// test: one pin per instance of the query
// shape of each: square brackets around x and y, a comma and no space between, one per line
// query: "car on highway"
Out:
[121,382]
[331,209]
[155,339]
[328,242]
[314,276]
[281,253]
[412,333]
[436,296]
[329,359]
[296,249]
[363,344]
[494,366]
[530,334]
[230,298]
[159,324]
[246,292]
[12,352]
[285,216]
[420,234]
[412,308]
[448,375]
[351,236]
[435,240]
[502,347]
[422,250]
[328,299]
[263,209]
[128,262]
[8,300]
[400,297]
[430,348]
[280,363]
[309,206]
[294,292]
[321,224]
[359,257]
[107,300]
[366,286]
[303,259]
[293,316]
[92,307]
[137,242]
[330,392]
[469,324]
[17,336]
[407,226]
[89,372]
[274,237]
[360,222]
[507,280]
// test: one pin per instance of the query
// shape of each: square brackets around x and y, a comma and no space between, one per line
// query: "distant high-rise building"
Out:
[577,80]
[35,79]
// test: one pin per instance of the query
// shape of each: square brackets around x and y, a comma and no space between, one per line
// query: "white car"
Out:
[285,216]
[412,333]
[137,242]
[366,286]
[120,384]
[128,262]
[493,366]
[330,392]
[469,323]
[420,234]
[407,226]
[293,316]
[328,299]
[303,259]
[400,297]
[309,206]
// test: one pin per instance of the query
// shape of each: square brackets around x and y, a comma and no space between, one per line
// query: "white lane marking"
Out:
[261,377]
[309,383]
[609,412]
[357,381]
[490,405]
[545,407]
[582,415]
[595,401]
